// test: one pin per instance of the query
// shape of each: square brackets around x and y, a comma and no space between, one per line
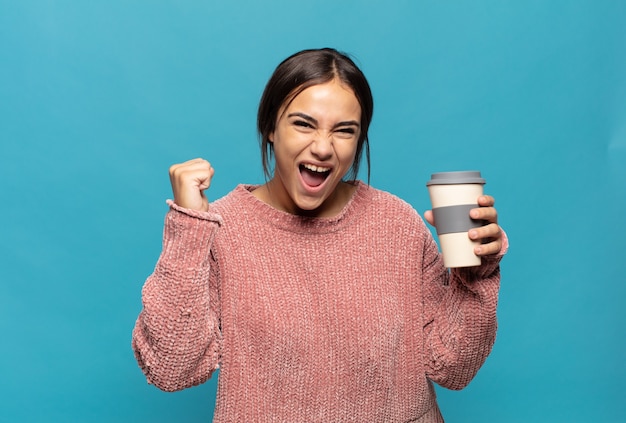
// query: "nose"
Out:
[322,146]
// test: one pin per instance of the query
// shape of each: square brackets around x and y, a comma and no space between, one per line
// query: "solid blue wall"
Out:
[97,99]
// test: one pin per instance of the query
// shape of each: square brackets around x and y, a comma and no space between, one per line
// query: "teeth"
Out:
[314,168]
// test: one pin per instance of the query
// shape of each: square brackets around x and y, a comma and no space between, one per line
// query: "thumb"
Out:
[204,182]
[428,215]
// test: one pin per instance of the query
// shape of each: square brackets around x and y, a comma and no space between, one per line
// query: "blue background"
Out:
[98,98]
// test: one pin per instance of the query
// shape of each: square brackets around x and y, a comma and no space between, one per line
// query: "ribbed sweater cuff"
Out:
[213,217]
[187,235]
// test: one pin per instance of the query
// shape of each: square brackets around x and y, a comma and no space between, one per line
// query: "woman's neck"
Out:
[269,194]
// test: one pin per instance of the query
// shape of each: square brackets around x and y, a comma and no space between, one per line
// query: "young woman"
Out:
[320,298]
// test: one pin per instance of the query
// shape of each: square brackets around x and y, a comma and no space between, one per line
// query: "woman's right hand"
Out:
[189,180]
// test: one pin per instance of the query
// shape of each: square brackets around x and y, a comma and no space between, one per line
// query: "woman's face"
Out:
[315,143]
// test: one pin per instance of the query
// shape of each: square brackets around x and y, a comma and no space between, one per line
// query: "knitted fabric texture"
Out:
[343,319]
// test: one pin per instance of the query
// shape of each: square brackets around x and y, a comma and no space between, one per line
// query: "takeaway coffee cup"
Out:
[453,195]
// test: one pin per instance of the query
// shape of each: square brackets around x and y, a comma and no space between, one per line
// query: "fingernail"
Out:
[473,234]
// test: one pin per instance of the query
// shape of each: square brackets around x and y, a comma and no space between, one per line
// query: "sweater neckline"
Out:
[303,224]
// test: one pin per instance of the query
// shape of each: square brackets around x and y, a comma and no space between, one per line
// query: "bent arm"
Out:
[177,338]
[460,321]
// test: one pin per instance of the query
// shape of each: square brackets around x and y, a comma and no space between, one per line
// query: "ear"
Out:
[270,138]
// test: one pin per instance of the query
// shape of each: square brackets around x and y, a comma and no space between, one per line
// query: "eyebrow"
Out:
[315,122]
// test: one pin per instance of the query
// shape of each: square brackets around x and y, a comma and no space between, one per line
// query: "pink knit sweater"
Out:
[313,319]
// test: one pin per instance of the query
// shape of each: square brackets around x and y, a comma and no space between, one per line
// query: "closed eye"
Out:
[347,129]
[302,123]
[346,132]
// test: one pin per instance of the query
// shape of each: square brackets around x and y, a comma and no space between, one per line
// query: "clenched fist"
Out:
[189,180]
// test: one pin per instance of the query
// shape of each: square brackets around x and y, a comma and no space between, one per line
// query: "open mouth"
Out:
[314,176]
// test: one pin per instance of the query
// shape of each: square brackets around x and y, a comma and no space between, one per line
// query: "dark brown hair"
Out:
[305,69]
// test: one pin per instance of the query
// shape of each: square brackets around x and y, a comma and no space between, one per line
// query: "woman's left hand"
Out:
[490,235]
